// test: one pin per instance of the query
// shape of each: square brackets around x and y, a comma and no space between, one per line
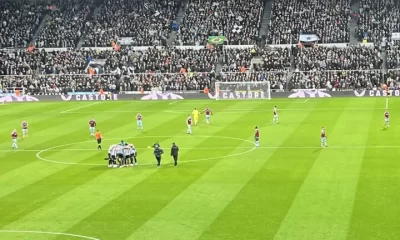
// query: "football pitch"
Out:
[57,184]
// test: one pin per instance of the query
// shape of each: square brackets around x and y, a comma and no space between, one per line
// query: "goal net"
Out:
[242,90]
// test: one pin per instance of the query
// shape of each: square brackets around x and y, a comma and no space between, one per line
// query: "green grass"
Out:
[223,189]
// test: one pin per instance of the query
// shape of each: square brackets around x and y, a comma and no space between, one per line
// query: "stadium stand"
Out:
[238,20]
[333,58]
[19,21]
[336,80]
[64,26]
[147,23]
[378,20]
[330,20]
[149,60]
[274,59]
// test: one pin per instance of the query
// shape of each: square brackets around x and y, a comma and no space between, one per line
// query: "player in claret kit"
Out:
[14,136]
[92,126]
[257,137]
[139,122]
[386,123]
[275,120]
[189,125]
[24,126]
[324,143]
[208,114]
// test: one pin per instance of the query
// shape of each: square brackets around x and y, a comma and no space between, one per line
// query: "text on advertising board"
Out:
[89,97]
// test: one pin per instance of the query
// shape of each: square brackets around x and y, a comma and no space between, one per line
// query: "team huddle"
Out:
[121,155]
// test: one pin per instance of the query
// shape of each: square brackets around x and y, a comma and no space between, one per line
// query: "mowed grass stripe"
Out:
[266,198]
[322,208]
[147,198]
[190,213]
[376,212]
[52,132]
[68,209]
[41,188]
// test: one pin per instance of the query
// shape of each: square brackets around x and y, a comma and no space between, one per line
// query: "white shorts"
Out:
[386,119]
[207,116]
[189,126]
[276,116]
[139,122]
[91,129]
[24,131]
[14,140]
[323,139]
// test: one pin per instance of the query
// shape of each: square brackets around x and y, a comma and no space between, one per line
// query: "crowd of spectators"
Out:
[393,57]
[63,27]
[378,19]
[146,23]
[238,20]
[393,79]
[333,58]
[336,80]
[330,20]
[274,59]
[19,21]
[60,84]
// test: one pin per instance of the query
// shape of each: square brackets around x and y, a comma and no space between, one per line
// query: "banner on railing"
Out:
[396,36]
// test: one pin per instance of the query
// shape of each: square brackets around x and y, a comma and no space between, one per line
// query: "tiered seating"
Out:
[19,21]
[65,24]
[148,23]
[238,20]
[330,20]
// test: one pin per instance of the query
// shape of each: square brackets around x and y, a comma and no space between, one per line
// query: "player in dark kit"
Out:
[157,153]
[174,153]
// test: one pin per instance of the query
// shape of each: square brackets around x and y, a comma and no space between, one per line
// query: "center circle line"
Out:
[146,164]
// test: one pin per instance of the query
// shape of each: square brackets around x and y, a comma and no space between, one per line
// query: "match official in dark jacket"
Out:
[174,153]
[157,153]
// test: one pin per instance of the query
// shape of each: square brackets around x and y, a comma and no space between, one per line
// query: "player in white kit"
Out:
[275,120]
[189,124]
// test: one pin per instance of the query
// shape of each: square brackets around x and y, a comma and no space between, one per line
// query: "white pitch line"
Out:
[387,103]
[306,100]
[214,148]
[241,110]
[73,109]
[173,102]
[49,233]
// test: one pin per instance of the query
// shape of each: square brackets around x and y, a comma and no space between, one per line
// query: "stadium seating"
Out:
[329,19]
[155,59]
[336,80]
[64,26]
[19,21]
[332,58]
[148,23]
[378,19]
[238,20]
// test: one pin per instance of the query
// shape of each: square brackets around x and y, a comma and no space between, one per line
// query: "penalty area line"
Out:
[306,100]
[73,109]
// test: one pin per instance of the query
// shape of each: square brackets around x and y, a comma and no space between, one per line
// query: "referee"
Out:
[157,153]
[174,153]
[98,137]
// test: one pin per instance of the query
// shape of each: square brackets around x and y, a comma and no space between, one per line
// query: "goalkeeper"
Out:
[195,114]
